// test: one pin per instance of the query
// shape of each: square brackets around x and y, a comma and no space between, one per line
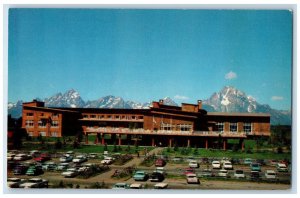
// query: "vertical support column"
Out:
[86,138]
[243,145]
[97,138]
[153,142]
[102,138]
[170,142]
[188,142]
[224,144]
[120,140]
[206,143]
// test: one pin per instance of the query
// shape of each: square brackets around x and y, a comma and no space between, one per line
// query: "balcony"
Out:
[162,132]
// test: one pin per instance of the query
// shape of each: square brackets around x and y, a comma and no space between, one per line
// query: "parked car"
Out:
[247,161]
[20,169]
[207,173]
[177,159]
[193,164]
[136,186]
[273,162]
[62,166]
[140,176]
[34,153]
[10,156]
[254,175]
[22,157]
[42,158]
[156,177]
[66,158]
[160,162]
[188,171]
[223,173]
[161,186]
[160,170]
[255,167]
[49,166]
[121,186]
[227,165]
[79,159]
[34,170]
[14,182]
[192,179]
[107,160]
[261,162]
[35,183]
[93,155]
[281,167]
[70,152]
[216,165]
[70,172]
[239,174]
[270,174]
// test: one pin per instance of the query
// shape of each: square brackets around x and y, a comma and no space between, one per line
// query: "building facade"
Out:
[160,125]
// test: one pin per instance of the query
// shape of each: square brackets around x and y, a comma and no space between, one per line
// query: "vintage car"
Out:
[160,162]
[270,174]
[239,174]
[70,172]
[156,177]
[121,186]
[192,179]
[193,164]
[136,186]
[281,167]
[227,165]
[140,176]
[216,165]
[161,186]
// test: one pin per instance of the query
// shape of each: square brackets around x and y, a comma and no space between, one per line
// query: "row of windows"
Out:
[43,133]
[41,123]
[178,127]
[247,127]
[54,115]
[116,117]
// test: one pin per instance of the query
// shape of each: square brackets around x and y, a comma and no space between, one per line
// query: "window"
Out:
[29,114]
[117,117]
[42,114]
[101,116]
[109,117]
[42,123]
[140,117]
[165,127]
[185,127]
[85,116]
[53,134]
[54,124]
[123,117]
[29,123]
[247,127]
[55,115]
[133,117]
[220,126]
[93,116]
[42,133]
[233,127]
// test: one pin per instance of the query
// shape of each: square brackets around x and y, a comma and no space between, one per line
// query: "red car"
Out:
[189,171]
[160,162]
[42,158]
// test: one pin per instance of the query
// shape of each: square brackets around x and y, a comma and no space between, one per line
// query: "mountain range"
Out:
[229,99]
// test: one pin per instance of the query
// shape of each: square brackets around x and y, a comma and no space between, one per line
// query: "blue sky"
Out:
[145,55]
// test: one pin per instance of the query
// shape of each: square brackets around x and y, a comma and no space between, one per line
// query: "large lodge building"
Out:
[160,125]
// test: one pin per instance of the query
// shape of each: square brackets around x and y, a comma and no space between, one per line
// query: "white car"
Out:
[79,159]
[281,167]
[21,157]
[239,174]
[192,178]
[223,173]
[35,183]
[66,158]
[107,160]
[216,165]
[193,164]
[161,186]
[227,165]
[10,156]
[270,174]
[70,172]
[14,182]
[62,166]
[136,186]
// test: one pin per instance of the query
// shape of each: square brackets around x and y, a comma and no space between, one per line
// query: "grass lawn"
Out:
[228,153]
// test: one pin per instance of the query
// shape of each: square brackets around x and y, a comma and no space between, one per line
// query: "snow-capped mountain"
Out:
[230,99]
[70,98]
[15,109]
[169,101]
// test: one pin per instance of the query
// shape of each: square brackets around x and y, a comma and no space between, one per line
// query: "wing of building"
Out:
[161,125]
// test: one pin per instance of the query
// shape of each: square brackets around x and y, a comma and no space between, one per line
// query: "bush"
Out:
[279,150]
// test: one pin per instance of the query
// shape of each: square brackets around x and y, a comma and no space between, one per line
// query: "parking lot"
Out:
[175,173]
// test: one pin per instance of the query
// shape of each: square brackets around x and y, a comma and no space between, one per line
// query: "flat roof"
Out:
[237,114]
